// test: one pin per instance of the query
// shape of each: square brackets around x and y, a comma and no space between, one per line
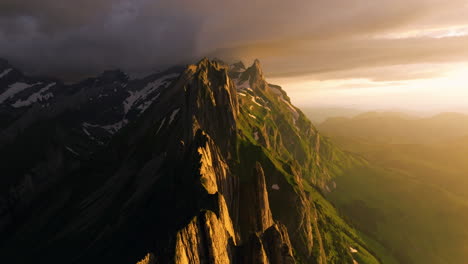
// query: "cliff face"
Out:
[221,168]
[233,230]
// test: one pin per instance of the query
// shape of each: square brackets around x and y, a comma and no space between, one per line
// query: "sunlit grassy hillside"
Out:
[413,197]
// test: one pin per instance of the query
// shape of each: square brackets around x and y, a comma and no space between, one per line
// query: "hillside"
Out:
[409,189]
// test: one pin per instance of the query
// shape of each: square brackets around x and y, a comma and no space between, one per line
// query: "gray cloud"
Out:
[297,37]
[328,58]
[54,39]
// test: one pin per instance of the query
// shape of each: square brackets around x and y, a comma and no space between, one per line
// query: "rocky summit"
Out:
[207,163]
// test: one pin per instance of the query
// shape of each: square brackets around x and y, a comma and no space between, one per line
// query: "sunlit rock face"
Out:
[256,217]
[149,259]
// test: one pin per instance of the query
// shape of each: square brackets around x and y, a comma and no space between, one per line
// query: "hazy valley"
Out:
[412,195]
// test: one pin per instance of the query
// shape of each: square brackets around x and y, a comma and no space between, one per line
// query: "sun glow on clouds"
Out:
[444,32]
[448,91]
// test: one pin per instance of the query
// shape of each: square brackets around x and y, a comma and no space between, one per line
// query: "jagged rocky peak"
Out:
[256,66]
[149,259]
[257,217]
[213,93]
[208,238]
[255,71]
[233,229]
[238,66]
[206,63]
[252,77]
[207,71]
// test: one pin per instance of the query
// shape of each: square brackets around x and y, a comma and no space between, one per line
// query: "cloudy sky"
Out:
[406,54]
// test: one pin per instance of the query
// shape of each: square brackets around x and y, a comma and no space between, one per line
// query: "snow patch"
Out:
[242,94]
[146,104]
[174,113]
[256,135]
[86,132]
[5,72]
[252,116]
[86,125]
[353,250]
[161,125]
[292,110]
[255,102]
[35,97]
[136,96]
[275,187]
[14,89]
[72,151]
[112,129]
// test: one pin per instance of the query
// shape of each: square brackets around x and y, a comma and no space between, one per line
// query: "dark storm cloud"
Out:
[85,37]
[296,37]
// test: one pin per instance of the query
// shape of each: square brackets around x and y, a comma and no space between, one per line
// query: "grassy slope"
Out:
[333,237]
[417,222]
[412,198]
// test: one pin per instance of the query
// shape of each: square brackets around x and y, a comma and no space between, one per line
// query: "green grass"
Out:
[336,236]
[295,151]
[337,229]
[415,221]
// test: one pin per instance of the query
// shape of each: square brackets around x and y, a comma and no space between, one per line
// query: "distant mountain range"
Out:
[319,114]
[205,163]
[394,127]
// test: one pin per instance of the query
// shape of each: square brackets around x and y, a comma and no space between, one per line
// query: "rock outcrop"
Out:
[256,217]
[278,246]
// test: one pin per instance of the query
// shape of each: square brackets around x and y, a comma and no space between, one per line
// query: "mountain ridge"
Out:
[219,167]
[398,128]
